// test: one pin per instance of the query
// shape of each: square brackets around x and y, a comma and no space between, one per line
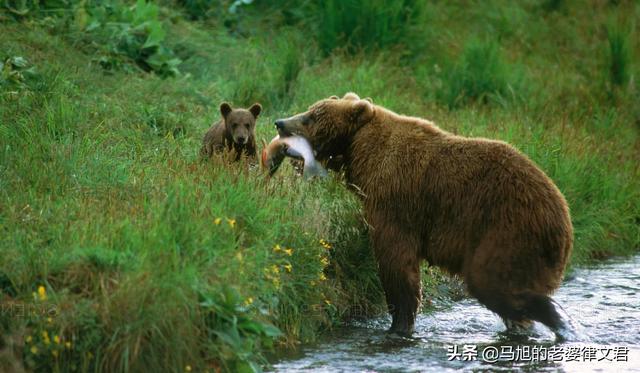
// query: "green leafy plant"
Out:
[132,33]
[238,335]
[15,72]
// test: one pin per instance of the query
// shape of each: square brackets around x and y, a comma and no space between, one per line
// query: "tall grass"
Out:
[482,75]
[354,25]
[619,56]
[147,258]
[264,69]
[133,255]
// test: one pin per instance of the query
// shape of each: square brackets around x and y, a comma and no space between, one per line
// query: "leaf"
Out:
[156,35]
[19,61]
[271,331]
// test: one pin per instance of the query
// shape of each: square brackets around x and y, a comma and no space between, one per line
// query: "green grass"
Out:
[380,23]
[481,75]
[619,55]
[153,260]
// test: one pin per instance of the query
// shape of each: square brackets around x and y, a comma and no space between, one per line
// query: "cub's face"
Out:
[329,124]
[241,123]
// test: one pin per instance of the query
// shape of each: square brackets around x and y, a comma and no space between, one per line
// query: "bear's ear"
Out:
[334,97]
[225,109]
[351,96]
[255,109]
[363,111]
[369,99]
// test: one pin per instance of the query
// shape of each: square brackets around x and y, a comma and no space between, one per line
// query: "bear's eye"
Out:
[247,125]
[307,120]
[234,125]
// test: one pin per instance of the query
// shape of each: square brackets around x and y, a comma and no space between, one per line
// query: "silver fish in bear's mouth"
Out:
[295,147]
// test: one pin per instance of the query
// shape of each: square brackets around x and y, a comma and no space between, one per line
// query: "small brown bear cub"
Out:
[234,132]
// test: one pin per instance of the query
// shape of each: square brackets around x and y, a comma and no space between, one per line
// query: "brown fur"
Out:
[475,207]
[235,132]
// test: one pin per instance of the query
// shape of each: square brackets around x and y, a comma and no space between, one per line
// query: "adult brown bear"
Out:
[474,207]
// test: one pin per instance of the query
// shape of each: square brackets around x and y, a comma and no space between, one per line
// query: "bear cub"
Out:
[235,132]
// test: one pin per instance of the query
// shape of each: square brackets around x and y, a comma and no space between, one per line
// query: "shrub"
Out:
[131,33]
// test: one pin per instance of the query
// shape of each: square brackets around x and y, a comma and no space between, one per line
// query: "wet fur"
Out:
[475,207]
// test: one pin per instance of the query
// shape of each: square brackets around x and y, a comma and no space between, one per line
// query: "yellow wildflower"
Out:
[232,222]
[49,320]
[289,251]
[324,261]
[327,301]
[325,244]
[322,277]
[217,221]
[248,301]
[187,368]
[67,345]
[42,293]
[275,269]
[288,267]
[312,283]
[277,248]
[28,339]
[56,339]
[34,350]
[239,256]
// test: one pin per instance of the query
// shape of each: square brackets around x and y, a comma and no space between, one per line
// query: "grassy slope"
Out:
[104,204]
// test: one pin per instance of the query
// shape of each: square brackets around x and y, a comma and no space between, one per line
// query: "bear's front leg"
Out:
[399,271]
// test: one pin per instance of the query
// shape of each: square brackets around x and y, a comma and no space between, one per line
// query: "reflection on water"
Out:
[604,300]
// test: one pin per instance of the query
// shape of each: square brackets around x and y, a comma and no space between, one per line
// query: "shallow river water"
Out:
[604,300]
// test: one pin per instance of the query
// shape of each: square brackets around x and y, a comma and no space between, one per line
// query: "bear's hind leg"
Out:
[518,326]
[521,308]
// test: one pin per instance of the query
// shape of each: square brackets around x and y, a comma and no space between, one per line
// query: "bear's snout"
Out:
[281,126]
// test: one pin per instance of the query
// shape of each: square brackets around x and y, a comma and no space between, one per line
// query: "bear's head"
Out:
[240,123]
[330,124]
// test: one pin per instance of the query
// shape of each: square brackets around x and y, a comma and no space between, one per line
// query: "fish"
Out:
[295,147]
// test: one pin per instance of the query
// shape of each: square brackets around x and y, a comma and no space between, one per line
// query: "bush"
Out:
[131,33]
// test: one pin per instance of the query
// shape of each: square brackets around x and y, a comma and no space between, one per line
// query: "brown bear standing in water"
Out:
[474,207]
[234,132]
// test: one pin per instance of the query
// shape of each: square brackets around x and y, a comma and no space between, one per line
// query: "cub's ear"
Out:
[363,111]
[369,99]
[225,109]
[351,96]
[334,97]
[255,109]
